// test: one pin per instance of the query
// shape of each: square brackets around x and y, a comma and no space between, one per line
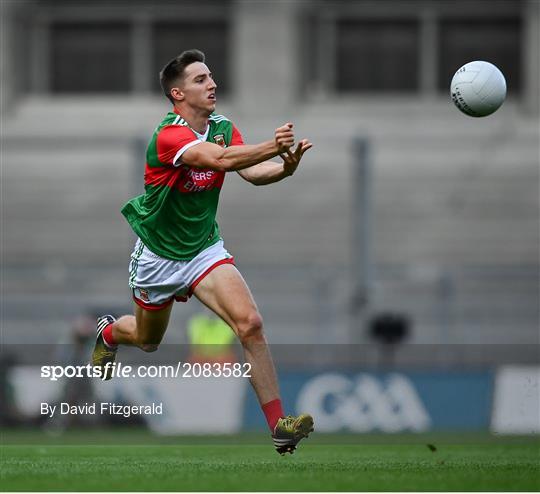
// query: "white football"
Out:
[478,89]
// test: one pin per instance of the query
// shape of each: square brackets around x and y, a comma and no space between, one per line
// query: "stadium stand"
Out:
[455,202]
[454,228]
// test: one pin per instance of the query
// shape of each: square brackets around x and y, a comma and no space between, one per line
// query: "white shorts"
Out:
[157,281]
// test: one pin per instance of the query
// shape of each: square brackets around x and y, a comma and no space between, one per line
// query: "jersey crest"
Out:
[219,139]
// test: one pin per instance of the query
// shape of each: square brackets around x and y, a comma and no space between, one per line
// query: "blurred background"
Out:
[404,254]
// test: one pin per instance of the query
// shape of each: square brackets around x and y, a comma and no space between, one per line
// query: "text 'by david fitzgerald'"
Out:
[102,408]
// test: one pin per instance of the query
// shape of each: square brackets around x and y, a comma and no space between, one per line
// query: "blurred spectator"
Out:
[390,330]
[211,340]
[80,390]
[10,415]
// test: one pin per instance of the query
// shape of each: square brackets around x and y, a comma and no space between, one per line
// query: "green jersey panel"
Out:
[176,216]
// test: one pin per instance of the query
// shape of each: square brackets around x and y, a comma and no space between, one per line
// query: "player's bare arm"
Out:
[233,158]
[270,172]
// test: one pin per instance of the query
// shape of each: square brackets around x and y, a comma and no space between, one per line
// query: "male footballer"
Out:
[179,251]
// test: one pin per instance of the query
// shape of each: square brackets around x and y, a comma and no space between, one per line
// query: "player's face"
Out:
[199,88]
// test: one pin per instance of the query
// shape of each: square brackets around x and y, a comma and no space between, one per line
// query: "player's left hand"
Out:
[291,159]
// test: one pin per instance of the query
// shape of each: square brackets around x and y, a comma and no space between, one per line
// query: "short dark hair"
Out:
[174,69]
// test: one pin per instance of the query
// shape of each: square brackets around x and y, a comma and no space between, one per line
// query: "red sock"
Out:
[273,411]
[108,337]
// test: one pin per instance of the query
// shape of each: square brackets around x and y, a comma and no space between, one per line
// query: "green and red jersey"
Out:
[176,216]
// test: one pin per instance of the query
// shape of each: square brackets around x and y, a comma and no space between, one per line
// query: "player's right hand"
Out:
[284,137]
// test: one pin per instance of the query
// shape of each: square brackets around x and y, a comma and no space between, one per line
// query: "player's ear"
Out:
[177,94]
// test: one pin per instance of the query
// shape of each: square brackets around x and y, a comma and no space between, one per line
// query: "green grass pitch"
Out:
[137,461]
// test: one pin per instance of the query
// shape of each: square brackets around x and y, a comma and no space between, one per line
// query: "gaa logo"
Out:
[364,403]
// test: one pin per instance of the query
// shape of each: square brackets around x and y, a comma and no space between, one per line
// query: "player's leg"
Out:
[153,281]
[145,330]
[225,292]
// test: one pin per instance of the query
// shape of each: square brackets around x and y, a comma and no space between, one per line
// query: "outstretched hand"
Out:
[291,160]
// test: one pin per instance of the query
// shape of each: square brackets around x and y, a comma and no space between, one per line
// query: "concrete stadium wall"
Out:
[449,193]
[455,227]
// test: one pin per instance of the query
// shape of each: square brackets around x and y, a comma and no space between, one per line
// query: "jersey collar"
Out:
[202,137]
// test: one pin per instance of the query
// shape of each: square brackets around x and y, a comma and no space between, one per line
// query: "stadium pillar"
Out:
[141,53]
[427,71]
[265,65]
[362,259]
[8,50]
[531,57]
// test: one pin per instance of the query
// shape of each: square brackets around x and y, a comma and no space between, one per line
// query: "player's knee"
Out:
[251,327]
[149,347]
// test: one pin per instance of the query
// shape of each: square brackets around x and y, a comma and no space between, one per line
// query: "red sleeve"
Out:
[236,139]
[172,141]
